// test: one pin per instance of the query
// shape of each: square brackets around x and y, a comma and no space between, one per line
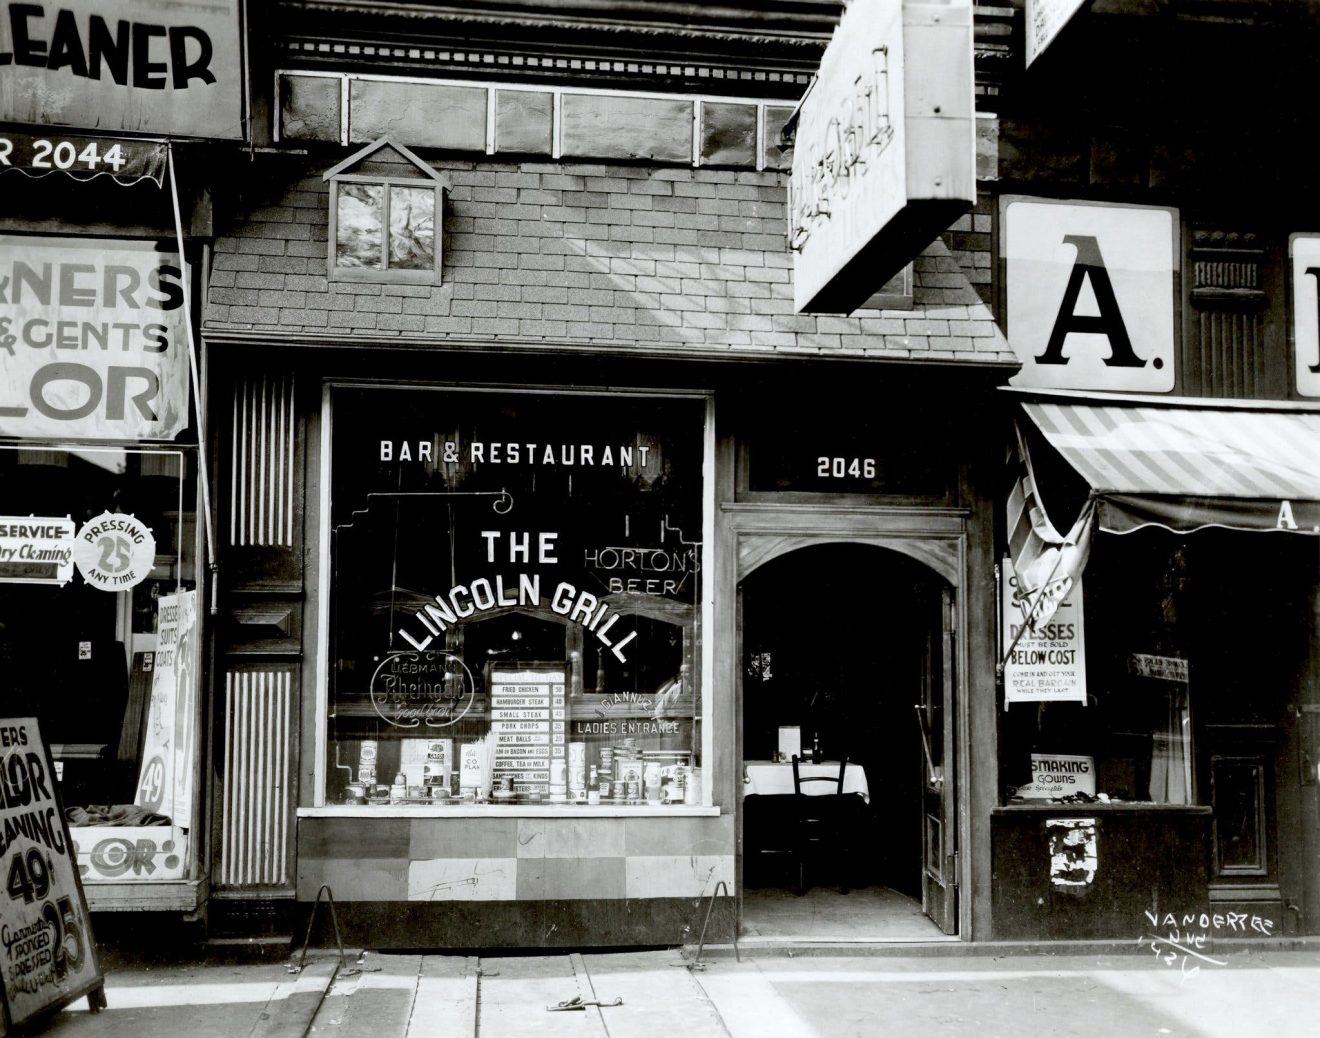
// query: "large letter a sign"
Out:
[1090,293]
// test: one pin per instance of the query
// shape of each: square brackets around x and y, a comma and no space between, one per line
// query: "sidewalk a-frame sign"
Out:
[47,955]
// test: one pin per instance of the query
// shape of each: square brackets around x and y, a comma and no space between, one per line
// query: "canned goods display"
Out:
[629,784]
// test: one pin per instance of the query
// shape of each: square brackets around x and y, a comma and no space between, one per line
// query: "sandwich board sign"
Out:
[47,955]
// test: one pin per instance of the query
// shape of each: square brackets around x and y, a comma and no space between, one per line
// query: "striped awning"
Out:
[1185,468]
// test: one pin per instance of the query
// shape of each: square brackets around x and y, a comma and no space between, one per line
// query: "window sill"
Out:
[508,811]
[1121,807]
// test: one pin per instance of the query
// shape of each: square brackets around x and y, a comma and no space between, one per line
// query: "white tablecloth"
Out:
[765,778]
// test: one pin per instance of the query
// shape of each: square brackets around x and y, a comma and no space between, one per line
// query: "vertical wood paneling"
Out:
[256,798]
[1226,344]
[262,448]
[1230,350]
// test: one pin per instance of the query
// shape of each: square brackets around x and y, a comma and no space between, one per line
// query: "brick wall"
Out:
[969,240]
[535,254]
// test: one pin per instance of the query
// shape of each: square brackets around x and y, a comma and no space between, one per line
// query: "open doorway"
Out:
[851,645]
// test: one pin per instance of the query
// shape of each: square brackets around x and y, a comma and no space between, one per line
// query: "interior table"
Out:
[768,778]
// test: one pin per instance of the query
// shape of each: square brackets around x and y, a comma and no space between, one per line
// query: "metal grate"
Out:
[257,778]
[262,484]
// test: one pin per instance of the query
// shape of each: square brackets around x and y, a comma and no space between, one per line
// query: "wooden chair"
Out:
[822,822]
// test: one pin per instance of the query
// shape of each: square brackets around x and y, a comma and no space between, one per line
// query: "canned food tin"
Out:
[651,779]
[629,784]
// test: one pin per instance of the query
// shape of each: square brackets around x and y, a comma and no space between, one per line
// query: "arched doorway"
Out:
[851,644]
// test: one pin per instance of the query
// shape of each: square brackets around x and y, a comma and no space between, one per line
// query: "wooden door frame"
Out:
[751,535]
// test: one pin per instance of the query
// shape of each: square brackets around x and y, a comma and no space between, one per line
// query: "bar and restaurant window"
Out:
[516,587]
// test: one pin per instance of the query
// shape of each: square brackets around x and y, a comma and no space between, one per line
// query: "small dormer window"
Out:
[386,216]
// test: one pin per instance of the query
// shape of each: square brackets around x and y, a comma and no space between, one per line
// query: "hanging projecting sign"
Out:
[1304,250]
[1045,19]
[1090,292]
[885,157]
[114,552]
[1047,662]
[93,343]
[136,66]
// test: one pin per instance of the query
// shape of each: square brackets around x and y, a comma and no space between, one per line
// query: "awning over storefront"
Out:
[125,159]
[1186,468]
[1179,466]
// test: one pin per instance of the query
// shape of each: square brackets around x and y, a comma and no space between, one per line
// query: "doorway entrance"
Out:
[852,646]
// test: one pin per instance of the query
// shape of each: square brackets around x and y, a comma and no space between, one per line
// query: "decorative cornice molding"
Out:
[804,24]
[485,61]
[777,43]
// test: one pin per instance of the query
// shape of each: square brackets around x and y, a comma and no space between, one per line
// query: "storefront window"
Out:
[516,586]
[1175,672]
[97,557]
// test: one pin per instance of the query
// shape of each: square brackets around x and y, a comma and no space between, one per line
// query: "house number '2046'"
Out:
[839,468]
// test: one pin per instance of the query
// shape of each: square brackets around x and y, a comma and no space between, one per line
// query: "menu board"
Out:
[49,956]
[527,713]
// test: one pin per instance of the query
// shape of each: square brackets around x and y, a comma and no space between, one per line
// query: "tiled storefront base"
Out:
[518,881]
[460,926]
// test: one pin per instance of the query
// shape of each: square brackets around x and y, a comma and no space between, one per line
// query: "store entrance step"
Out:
[268,948]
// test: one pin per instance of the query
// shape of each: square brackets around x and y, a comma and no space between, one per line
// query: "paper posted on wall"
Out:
[1047,663]
[165,780]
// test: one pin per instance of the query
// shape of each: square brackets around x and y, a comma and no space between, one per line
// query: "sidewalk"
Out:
[1266,993]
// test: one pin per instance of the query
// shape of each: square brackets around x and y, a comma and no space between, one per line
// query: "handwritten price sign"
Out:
[48,958]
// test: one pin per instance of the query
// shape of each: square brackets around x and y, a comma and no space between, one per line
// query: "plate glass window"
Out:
[516,582]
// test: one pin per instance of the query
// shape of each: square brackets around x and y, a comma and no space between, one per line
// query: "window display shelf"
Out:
[1113,807]
[143,895]
[457,810]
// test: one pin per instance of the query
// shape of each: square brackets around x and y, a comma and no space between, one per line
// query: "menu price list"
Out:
[527,717]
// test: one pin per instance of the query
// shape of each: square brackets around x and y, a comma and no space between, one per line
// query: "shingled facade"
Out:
[617,258]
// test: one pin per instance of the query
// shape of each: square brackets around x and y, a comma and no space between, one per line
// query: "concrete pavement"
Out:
[376,995]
